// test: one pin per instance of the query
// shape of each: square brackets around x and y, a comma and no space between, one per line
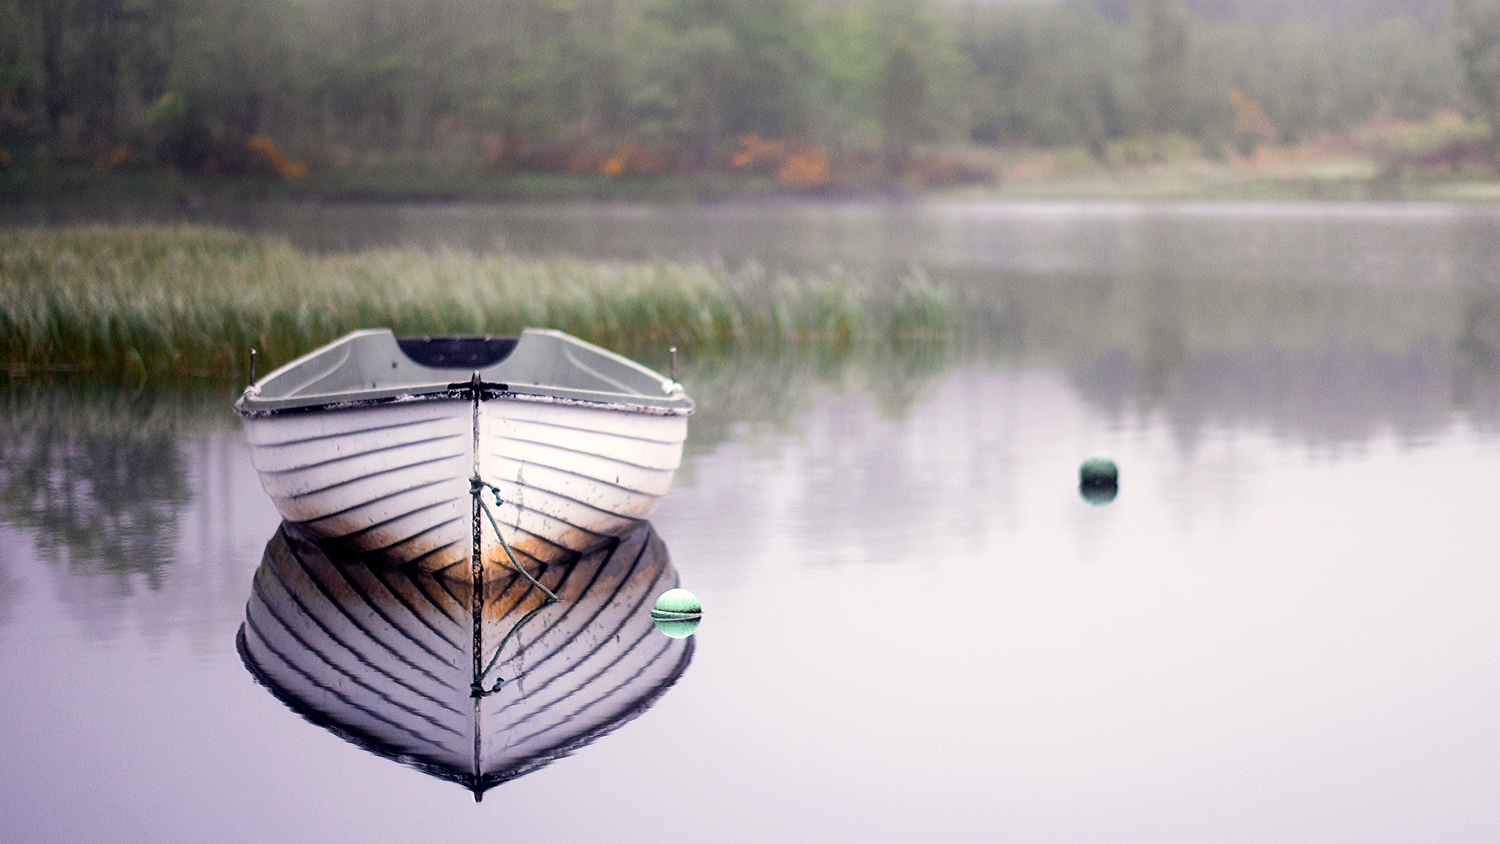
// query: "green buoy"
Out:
[1099,471]
[1098,480]
[677,613]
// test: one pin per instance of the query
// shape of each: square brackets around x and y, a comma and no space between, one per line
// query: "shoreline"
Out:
[1038,175]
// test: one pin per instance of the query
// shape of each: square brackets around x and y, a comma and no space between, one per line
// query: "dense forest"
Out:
[1339,14]
[794,88]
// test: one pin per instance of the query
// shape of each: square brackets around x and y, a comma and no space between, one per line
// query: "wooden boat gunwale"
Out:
[465,392]
[673,401]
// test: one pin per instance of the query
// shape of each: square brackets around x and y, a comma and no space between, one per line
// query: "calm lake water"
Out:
[1286,627]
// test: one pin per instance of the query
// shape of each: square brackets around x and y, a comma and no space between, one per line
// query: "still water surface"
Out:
[1286,627]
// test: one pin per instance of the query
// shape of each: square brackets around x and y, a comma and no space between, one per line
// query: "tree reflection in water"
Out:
[98,471]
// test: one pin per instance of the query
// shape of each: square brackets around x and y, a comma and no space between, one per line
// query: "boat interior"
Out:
[376,365]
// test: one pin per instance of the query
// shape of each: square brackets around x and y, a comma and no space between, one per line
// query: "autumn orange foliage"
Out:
[805,168]
[753,151]
[272,156]
[630,159]
[105,159]
[794,166]
[1249,118]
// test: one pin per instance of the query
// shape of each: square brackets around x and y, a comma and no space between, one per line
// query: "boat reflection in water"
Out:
[409,666]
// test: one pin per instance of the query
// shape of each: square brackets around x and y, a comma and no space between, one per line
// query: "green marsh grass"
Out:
[151,302]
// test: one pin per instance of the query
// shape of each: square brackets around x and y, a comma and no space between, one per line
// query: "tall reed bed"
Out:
[193,301]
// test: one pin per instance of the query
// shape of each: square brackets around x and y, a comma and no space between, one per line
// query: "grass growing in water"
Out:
[160,301]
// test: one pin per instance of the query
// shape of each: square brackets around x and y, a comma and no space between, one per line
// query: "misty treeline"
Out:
[193,83]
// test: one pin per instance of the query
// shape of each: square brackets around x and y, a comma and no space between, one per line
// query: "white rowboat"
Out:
[371,445]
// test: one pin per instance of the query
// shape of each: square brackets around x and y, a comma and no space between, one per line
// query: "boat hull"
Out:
[390,482]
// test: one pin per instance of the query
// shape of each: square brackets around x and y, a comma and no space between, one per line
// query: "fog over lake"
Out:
[1286,626]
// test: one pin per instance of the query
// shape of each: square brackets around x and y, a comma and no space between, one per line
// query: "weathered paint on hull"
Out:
[391,482]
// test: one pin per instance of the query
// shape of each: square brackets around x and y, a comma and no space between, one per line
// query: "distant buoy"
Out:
[1098,480]
[1099,471]
[677,613]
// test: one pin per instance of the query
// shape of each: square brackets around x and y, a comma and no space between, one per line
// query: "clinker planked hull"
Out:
[372,451]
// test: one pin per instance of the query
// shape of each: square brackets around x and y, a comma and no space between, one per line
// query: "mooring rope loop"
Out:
[477,486]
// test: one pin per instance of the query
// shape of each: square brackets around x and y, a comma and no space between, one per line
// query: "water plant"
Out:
[151,302]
